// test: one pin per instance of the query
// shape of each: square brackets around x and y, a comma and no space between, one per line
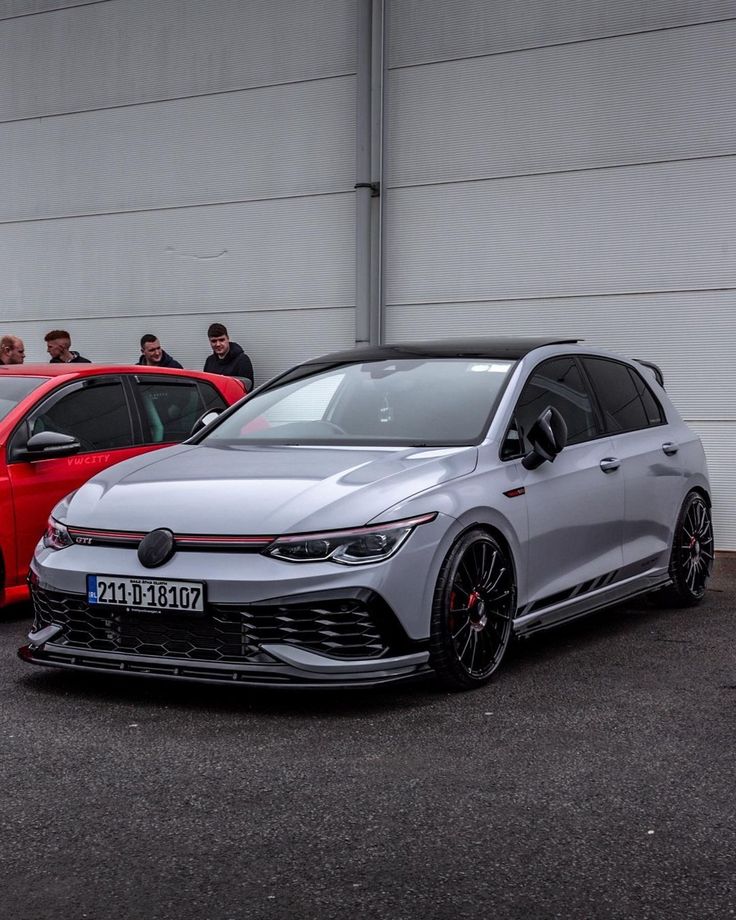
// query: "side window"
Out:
[95,413]
[171,407]
[627,403]
[652,408]
[556,383]
[211,397]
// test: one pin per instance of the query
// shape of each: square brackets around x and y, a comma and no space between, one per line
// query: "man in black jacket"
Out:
[58,345]
[227,357]
[153,354]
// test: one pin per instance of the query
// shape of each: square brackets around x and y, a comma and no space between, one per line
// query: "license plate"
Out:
[145,593]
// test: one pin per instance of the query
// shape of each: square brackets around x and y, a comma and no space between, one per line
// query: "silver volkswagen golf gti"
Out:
[381,514]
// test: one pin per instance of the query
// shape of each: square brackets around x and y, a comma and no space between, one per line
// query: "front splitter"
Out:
[288,668]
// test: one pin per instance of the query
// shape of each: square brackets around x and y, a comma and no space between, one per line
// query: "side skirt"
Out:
[580,606]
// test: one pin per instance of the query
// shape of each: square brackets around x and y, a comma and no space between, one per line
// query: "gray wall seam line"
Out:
[164,99]
[577,41]
[52,9]
[661,292]
[180,207]
[225,311]
[432,183]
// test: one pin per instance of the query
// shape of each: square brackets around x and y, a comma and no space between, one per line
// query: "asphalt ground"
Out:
[593,778]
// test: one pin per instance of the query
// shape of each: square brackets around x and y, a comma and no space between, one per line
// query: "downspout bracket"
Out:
[375,187]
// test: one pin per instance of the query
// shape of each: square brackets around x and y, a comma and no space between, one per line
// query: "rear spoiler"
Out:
[658,375]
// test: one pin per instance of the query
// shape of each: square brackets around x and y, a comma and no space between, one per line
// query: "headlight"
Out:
[348,547]
[56,536]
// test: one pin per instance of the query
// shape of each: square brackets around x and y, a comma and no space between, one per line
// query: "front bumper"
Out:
[316,641]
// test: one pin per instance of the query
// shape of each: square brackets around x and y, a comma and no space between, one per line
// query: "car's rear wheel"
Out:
[692,556]
[472,611]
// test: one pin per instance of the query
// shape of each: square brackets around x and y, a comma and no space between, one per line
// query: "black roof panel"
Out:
[508,347]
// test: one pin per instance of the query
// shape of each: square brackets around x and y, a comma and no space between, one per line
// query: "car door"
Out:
[574,504]
[645,445]
[97,412]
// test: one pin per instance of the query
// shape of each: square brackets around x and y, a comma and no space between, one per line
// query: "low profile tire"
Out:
[472,611]
[692,557]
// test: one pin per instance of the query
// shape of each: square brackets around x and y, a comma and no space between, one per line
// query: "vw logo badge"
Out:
[156,548]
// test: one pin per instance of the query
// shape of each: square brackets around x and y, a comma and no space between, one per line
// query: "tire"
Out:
[472,611]
[691,562]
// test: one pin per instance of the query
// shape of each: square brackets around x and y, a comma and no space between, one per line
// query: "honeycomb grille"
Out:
[340,628]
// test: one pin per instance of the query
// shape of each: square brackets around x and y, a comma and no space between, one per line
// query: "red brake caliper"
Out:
[451,617]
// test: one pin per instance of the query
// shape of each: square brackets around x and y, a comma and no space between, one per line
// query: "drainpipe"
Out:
[368,165]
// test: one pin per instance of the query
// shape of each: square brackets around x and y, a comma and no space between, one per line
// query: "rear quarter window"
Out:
[625,399]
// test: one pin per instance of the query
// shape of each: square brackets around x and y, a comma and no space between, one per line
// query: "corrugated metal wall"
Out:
[168,164]
[563,167]
[570,167]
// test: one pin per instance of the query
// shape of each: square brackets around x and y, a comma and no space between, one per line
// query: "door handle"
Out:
[670,448]
[610,464]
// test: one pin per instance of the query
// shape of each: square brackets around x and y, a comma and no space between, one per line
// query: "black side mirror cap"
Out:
[48,444]
[548,436]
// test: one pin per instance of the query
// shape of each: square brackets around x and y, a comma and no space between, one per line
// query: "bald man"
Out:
[12,350]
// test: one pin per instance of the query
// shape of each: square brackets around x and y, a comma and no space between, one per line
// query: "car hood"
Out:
[261,490]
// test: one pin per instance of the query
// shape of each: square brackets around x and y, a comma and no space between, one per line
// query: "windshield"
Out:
[425,401]
[13,389]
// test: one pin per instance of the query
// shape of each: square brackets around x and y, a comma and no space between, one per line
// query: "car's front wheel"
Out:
[692,556]
[472,612]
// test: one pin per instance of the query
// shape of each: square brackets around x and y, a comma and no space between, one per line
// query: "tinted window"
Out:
[96,414]
[556,383]
[171,407]
[652,408]
[428,401]
[626,401]
[211,396]
[13,389]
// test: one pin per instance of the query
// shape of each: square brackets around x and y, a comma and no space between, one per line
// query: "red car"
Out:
[61,423]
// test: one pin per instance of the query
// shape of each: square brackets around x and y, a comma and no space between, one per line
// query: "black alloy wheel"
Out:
[472,612]
[692,557]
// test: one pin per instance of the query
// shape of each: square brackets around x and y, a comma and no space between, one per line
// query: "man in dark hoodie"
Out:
[153,355]
[227,357]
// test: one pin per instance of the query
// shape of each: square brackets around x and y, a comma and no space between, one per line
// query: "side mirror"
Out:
[48,444]
[203,421]
[548,436]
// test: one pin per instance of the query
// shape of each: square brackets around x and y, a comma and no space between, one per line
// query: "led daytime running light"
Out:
[357,546]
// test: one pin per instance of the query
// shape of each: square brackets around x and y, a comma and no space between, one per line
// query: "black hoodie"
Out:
[166,361]
[235,363]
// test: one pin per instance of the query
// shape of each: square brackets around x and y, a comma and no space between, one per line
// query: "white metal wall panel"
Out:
[272,341]
[260,255]
[641,228]
[169,164]
[118,53]
[429,30]
[719,441]
[637,98]
[294,139]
